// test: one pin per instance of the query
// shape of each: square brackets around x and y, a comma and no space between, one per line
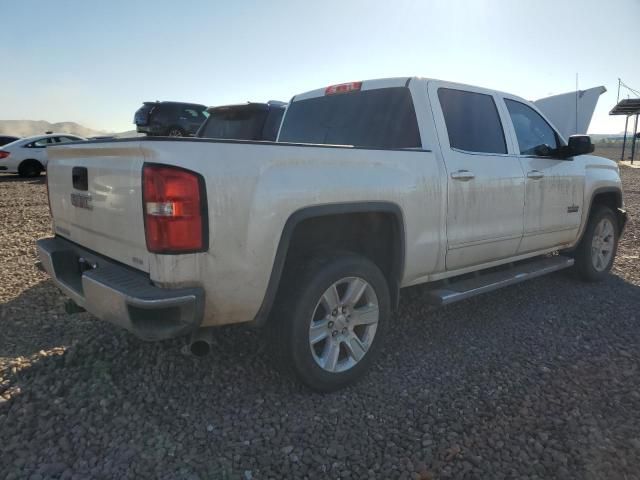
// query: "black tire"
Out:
[30,168]
[298,301]
[175,132]
[585,264]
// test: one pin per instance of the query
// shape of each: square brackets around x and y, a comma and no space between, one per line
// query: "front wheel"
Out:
[597,249]
[330,320]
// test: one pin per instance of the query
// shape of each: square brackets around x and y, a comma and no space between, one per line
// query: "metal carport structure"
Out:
[628,107]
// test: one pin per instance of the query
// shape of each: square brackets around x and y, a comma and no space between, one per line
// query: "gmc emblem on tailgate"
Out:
[81,200]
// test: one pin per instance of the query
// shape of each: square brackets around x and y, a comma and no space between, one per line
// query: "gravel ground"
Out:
[540,380]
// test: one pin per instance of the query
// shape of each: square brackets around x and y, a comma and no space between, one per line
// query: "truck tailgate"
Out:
[96,199]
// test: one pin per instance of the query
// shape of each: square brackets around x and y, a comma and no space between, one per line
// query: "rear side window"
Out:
[190,113]
[380,118]
[67,139]
[472,121]
[43,142]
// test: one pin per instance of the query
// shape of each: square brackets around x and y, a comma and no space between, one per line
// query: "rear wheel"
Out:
[330,320]
[175,132]
[597,249]
[30,168]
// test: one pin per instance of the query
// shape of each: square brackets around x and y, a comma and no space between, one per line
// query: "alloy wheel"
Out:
[344,324]
[602,244]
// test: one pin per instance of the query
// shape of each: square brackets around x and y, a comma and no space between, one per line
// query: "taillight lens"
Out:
[4,154]
[175,217]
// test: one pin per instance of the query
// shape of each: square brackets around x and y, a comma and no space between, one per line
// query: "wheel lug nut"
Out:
[334,333]
[335,312]
[330,324]
[344,331]
[344,309]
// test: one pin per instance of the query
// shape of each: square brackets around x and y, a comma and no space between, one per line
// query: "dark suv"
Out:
[170,119]
[246,121]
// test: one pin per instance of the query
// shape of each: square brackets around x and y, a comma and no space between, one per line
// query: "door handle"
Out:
[535,174]
[463,175]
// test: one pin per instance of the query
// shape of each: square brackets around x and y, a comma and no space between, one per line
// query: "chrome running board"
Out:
[470,287]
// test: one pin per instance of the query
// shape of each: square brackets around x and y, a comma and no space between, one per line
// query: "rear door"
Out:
[38,149]
[485,196]
[554,186]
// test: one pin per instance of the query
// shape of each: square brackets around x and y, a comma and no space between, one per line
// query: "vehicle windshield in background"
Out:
[380,118]
[235,123]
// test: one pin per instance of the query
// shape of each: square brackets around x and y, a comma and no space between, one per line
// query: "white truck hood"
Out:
[561,110]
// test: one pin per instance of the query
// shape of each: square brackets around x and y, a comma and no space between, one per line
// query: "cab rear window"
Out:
[380,118]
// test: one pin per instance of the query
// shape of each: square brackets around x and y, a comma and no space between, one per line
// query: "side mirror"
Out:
[578,145]
[543,150]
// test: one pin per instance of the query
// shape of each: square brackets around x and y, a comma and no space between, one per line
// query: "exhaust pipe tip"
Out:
[199,348]
[200,343]
[72,307]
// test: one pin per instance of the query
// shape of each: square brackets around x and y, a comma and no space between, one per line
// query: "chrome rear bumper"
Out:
[119,294]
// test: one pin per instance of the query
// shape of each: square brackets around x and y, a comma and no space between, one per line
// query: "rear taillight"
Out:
[4,154]
[343,88]
[175,216]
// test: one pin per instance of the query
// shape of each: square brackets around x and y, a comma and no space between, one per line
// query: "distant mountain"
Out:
[27,128]
[128,133]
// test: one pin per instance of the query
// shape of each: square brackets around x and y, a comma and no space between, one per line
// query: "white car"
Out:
[28,156]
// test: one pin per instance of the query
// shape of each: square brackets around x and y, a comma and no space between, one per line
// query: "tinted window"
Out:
[531,129]
[234,123]
[43,142]
[66,139]
[141,116]
[272,124]
[190,112]
[472,120]
[380,118]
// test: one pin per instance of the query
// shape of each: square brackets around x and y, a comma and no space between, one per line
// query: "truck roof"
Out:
[393,82]
[560,110]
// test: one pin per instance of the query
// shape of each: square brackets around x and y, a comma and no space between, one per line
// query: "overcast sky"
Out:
[95,62]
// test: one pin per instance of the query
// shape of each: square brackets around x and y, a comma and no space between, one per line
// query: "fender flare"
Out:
[323,210]
[620,213]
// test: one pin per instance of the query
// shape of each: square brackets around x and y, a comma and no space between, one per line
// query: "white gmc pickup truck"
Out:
[372,186]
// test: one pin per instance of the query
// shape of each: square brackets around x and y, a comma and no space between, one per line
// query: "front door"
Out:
[485,184]
[554,186]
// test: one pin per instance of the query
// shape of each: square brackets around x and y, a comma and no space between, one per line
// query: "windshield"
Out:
[380,118]
[234,123]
